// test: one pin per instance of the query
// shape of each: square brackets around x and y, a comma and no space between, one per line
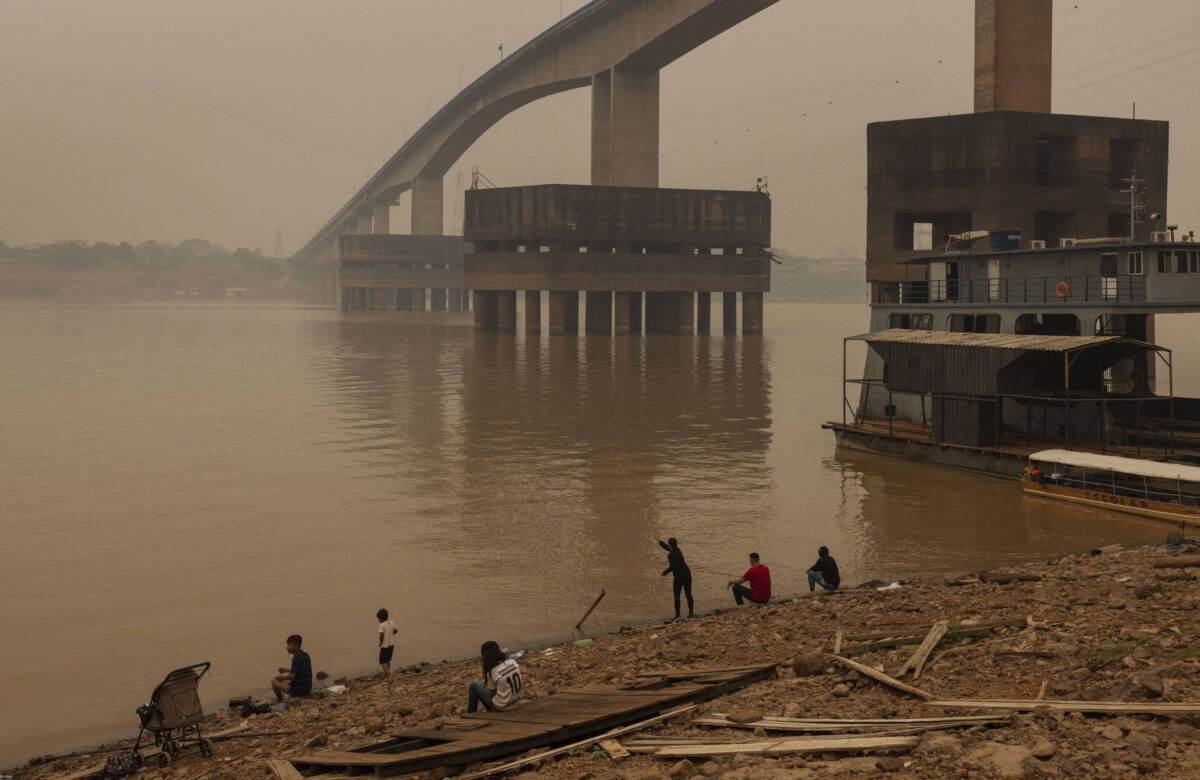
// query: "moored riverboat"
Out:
[1164,491]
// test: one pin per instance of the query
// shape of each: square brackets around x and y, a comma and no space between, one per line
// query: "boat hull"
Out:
[1171,513]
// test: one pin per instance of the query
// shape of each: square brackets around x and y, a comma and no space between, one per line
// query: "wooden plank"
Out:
[580,744]
[790,745]
[683,674]
[875,674]
[284,769]
[844,724]
[1096,707]
[840,633]
[614,749]
[1178,562]
[95,770]
[917,660]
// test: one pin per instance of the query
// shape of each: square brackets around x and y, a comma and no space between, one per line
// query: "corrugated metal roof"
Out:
[994,340]
[1138,466]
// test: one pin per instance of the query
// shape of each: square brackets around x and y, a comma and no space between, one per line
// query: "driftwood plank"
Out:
[919,658]
[875,674]
[1097,707]
[841,725]
[94,770]
[841,631]
[614,749]
[284,769]
[789,745]
[687,674]
[511,765]
[1178,562]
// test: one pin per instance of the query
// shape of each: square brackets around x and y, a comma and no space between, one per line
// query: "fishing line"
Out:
[198,650]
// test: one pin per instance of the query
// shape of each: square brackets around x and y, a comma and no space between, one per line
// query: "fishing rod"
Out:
[198,650]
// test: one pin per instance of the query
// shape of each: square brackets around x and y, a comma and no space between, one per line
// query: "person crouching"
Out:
[501,688]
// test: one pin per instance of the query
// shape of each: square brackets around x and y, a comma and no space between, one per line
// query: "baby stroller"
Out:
[173,715]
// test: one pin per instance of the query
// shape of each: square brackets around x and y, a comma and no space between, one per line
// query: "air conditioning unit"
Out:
[1037,243]
[1066,242]
[1159,236]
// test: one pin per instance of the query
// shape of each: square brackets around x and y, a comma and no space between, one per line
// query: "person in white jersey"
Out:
[387,642]
[501,688]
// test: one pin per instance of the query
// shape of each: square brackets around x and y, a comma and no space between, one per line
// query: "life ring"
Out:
[1062,289]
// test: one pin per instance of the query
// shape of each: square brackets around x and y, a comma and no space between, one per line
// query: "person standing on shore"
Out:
[824,572]
[759,577]
[682,575]
[296,680]
[387,642]
[501,686]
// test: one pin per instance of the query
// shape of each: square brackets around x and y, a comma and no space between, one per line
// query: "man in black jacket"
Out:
[824,572]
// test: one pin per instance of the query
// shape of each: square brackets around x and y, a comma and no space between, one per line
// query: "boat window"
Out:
[973,323]
[1135,263]
[1172,262]
[1110,325]
[911,321]
[1047,324]
[1108,264]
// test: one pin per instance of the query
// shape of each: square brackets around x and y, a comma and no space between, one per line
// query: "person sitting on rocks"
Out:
[824,572]
[297,680]
[501,689]
[759,577]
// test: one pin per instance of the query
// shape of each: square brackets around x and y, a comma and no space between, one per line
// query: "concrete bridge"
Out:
[616,47]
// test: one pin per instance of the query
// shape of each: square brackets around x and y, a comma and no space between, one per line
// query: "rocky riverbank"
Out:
[1106,627]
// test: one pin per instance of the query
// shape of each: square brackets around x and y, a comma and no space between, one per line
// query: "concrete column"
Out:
[427,206]
[1013,55]
[506,311]
[635,313]
[598,314]
[437,299]
[381,219]
[602,129]
[752,313]
[703,313]
[533,311]
[623,304]
[487,310]
[634,127]
[418,299]
[729,313]
[685,308]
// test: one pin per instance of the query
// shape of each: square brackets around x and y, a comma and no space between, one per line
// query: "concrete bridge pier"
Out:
[670,312]
[752,313]
[564,312]
[533,312]
[703,313]
[625,108]
[487,311]
[506,311]
[729,323]
[598,316]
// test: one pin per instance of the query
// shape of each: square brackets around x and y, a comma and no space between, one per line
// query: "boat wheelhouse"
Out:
[1164,491]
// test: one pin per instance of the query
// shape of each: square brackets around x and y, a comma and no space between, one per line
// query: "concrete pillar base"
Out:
[487,311]
[752,313]
[564,311]
[437,299]
[703,313]
[623,306]
[598,315]
[635,313]
[506,311]
[533,311]
[685,313]
[729,313]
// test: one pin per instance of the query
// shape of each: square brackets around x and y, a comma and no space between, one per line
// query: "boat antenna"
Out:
[1134,207]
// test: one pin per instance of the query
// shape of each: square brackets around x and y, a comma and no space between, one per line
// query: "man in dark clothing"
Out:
[297,680]
[759,577]
[682,579]
[824,572]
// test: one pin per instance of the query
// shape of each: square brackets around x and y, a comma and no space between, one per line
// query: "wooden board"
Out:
[557,719]
[787,745]
[1098,707]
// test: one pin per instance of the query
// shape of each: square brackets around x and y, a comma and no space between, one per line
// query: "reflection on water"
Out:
[190,480]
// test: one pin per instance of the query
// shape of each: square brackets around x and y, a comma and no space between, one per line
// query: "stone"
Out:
[682,770]
[1150,684]
[710,768]
[1000,759]
[1112,731]
[743,715]
[447,709]
[793,710]
[1064,687]
[809,664]
[889,764]
[1044,749]
[320,740]
[1181,732]
[1146,591]
[841,690]
[1141,743]
[940,744]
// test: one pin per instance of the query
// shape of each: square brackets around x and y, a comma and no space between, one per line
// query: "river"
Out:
[187,481]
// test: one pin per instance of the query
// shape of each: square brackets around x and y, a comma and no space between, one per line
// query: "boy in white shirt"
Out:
[387,642]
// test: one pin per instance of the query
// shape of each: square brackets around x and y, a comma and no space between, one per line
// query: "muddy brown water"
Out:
[182,481]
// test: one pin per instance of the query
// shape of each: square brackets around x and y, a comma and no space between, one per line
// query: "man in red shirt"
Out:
[759,577]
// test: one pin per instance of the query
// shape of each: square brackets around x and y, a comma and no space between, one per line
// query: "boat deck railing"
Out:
[1079,288]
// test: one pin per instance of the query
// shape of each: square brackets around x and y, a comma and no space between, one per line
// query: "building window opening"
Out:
[922,237]
[1050,226]
[1122,159]
[1054,161]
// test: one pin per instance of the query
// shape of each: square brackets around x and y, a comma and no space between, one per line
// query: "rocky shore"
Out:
[1105,627]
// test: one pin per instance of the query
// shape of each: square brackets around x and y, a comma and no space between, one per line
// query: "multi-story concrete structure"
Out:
[402,272]
[614,243]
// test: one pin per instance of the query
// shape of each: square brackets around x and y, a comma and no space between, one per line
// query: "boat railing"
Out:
[1078,288]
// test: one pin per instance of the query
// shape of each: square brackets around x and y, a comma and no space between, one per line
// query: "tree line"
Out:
[148,254]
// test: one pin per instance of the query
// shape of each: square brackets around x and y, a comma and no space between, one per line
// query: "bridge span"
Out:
[617,47]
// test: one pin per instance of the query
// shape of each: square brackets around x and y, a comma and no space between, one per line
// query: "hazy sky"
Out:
[229,119]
